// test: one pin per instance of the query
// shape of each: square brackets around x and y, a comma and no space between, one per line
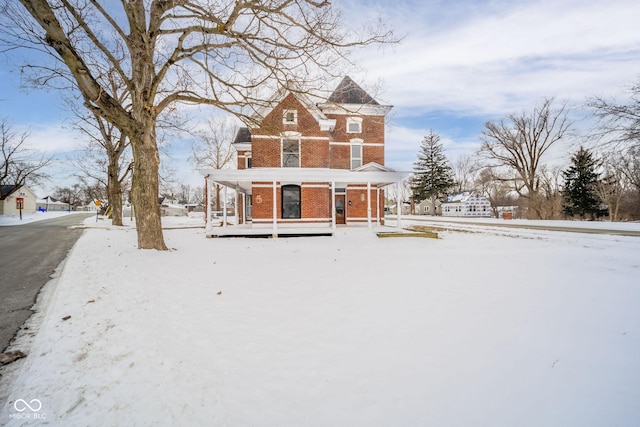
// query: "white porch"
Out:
[375,177]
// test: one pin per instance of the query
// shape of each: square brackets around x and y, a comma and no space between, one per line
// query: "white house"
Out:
[429,207]
[14,199]
[466,204]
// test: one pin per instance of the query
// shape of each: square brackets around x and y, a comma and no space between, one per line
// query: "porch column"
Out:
[236,217]
[333,204]
[207,183]
[378,217]
[275,210]
[244,208]
[399,205]
[369,203]
[224,207]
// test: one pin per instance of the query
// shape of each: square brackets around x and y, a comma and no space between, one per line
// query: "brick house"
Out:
[310,166]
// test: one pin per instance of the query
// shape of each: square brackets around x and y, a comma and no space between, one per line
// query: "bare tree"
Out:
[73,195]
[618,123]
[550,196]
[170,52]
[19,164]
[104,159]
[614,183]
[465,169]
[495,188]
[213,149]
[519,142]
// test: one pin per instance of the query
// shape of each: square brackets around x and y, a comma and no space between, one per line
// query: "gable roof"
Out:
[243,136]
[7,190]
[280,95]
[464,197]
[373,167]
[348,92]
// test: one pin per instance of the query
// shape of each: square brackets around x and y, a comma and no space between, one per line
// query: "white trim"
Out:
[350,109]
[354,121]
[284,117]
[333,204]
[356,142]
[325,138]
[368,144]
[369,203]
[290,136]
[315,185]
[289,220]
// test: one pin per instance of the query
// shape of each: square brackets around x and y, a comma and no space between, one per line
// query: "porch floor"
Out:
[248,230]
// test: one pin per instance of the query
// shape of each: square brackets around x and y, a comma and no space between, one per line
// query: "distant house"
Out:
[49,204]
[467,204]
[429,207]
[13,197]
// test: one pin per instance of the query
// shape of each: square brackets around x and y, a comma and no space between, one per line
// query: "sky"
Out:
[458,65]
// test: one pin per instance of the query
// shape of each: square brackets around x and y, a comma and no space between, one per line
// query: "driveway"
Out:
[30,254]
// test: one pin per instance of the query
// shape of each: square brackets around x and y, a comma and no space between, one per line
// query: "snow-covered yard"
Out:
[33,216]
[525,328]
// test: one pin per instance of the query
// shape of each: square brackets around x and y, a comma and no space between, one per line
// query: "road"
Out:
[30,253]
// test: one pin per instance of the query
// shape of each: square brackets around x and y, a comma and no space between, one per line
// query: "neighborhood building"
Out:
[14,198]
[49,204]
[309,166]
[466,204]
[429,207]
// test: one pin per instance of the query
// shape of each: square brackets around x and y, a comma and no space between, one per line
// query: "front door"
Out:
[340,209]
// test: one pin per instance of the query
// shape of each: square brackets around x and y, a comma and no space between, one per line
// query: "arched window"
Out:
[291,201]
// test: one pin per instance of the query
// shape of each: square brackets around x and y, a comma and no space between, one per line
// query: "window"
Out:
[356,155]
[354,125]
[290,117]
[290,201]
[248,160]
[290,153]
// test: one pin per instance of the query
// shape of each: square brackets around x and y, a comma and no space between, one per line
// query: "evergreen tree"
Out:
[580,194]
[433,175]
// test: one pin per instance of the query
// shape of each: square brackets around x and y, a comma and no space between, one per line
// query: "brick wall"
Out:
[316,201]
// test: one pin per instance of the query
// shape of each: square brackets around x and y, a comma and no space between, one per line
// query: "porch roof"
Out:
[241,179]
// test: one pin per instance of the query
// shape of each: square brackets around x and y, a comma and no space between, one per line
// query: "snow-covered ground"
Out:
[529,328]
[32,217]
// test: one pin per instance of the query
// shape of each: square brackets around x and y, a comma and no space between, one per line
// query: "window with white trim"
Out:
[290,201]
[290,117]
[354,124]
[290,153]
[356,154]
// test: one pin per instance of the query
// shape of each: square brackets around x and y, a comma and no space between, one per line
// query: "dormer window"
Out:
[290,117]
[354,125]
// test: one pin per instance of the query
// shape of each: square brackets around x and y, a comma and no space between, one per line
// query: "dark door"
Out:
[340,209]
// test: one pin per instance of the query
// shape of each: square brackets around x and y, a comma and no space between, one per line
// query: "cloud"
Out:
[508,57]
[53,138]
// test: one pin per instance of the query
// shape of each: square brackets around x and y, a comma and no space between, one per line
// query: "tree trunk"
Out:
[145,189]
[114,193]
